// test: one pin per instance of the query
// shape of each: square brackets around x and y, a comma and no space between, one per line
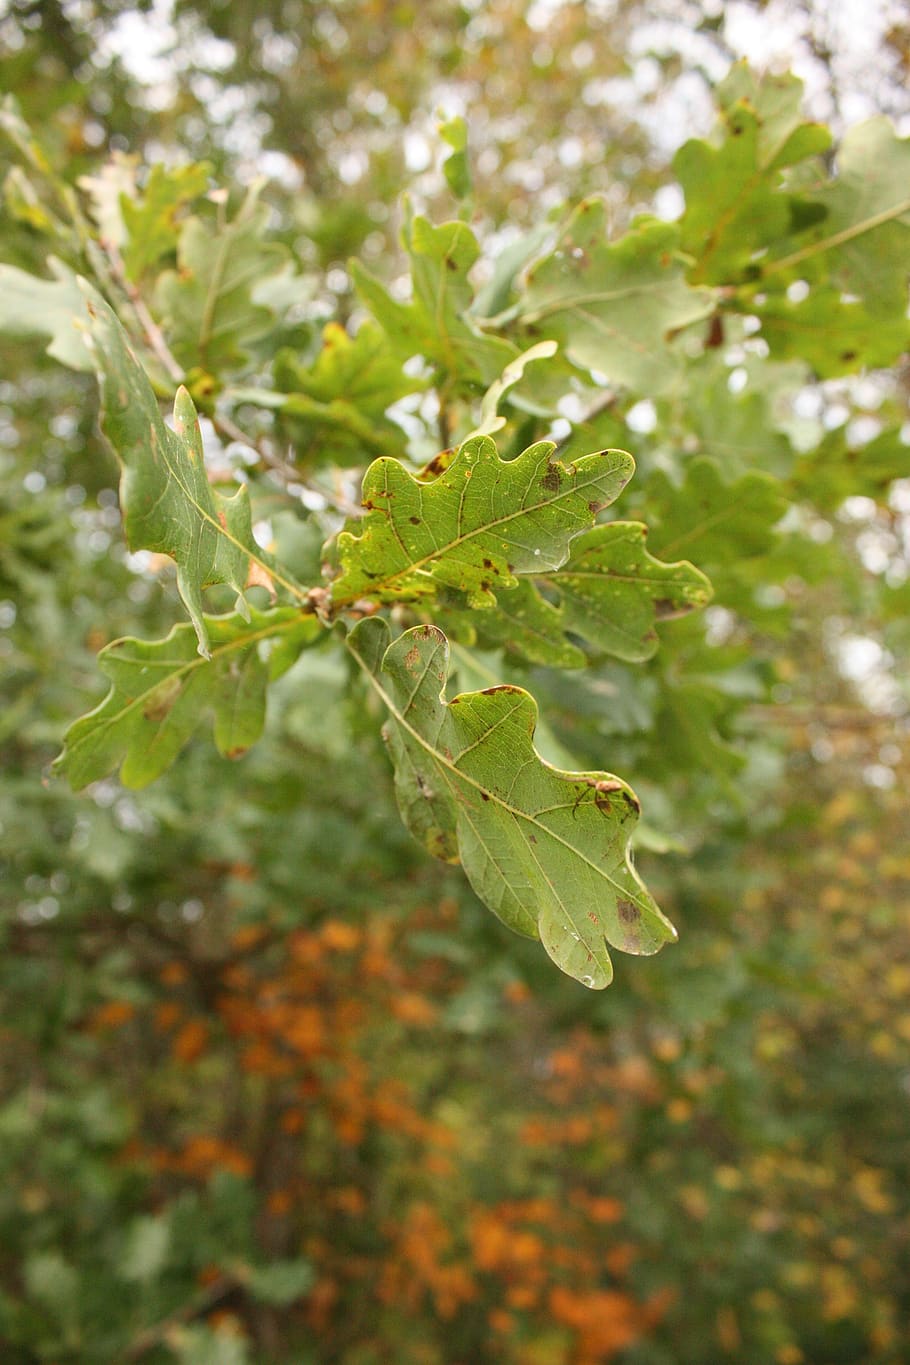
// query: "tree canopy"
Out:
[526,515]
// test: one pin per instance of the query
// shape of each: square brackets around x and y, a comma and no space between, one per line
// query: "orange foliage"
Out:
[190,1040]
[202,1156]
[606,1321]
[417,1265]
[297,1034]
[112,1014]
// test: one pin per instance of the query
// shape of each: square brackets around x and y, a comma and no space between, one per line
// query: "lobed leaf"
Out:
[208,305]
[714,521]
[734,186]
[861,244]
[436,323]
[609,593]
[32,307]
[152,221]
[477,526]
[612,306]
[167,501]
[546,850]
[833,335]
[163,690]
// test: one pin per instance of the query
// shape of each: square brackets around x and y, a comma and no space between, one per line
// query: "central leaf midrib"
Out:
[417,565]
[272,572]
[186,666]
[449,767]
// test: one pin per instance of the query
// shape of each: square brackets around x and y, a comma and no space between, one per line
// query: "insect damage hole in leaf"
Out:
[546,850]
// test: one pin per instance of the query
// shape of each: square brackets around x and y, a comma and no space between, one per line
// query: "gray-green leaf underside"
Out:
[163,690]
[546,850]
[614,306]
[476,527]
[32,307]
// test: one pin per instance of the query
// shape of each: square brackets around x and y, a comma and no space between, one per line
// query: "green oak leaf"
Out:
[167,501]
[335,408]
[483,521]
[834,469]
[610,593]
[613,306]
[735,203]
[436,323]
[208,305]
[861,245]
[546,850]
[152,221]
[456,166]
[32,307]
[833,335]
[736,429]
[715,522]
[163,690]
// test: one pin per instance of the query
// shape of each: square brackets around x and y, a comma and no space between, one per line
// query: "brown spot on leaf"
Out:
[484,796]
[550,480]
[595,507]
[236,753]
[663,607]
[159,706]
[412,658]
[628,912]
[415,521]
[602,791]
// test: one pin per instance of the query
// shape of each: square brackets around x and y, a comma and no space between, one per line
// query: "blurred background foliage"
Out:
[274,1088]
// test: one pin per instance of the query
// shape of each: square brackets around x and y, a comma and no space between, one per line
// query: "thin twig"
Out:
[153,333]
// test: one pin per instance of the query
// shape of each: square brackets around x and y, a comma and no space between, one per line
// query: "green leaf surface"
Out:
[456,167]
[163,690]
[835,469]
[208,304]
[32,307]
[491,420]
[335,408]
[613,306]
[834,336]
[477,526]
[546,850]
[714,522]
[167,501]
[735,202]
[145,1248]
[152,221]
[610,593]
[435,323]
[862,244]
[281,1282]
[736,429]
